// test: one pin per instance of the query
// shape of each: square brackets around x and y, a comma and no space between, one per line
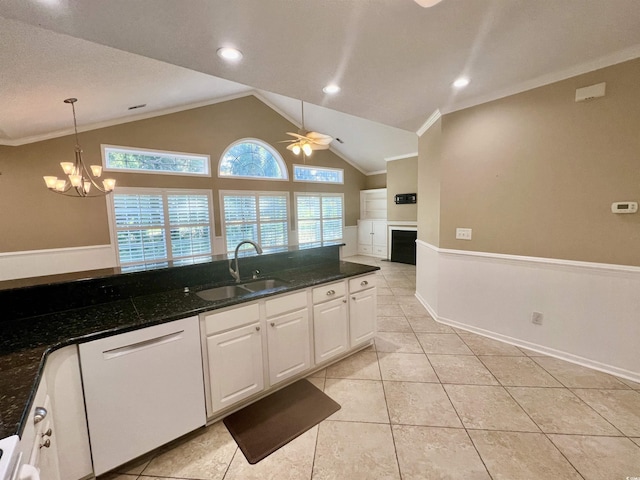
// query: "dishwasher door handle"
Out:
[143,345]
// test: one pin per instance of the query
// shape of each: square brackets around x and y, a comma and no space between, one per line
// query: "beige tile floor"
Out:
[432,402]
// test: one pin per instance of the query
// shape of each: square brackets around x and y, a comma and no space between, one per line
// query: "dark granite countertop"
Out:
[26,342]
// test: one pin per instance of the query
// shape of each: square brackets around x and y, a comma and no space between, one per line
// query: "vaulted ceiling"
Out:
[394,60]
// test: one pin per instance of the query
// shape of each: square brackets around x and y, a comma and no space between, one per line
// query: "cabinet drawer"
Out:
[233,318]
[362,283]
[286,303]
[365,248]
[328,292]
[380,250]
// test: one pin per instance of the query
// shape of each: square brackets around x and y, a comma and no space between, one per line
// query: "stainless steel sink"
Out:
[263,284]
[223,293]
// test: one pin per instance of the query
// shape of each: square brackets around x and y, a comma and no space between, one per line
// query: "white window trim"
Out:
[103,148]
[272,150]
[223,223]
[319,168]
[318,194]
[113,233]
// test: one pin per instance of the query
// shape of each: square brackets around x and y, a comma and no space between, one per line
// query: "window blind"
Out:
[155,228]
[261,217]
[319,218]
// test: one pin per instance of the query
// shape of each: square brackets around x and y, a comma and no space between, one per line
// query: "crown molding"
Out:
[433,118]
[120,121]
[401,157]
[602,62]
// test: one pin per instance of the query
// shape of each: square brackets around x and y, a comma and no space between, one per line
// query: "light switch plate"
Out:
[463,233]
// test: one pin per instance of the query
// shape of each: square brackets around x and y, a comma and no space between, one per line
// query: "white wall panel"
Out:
[591,311]
[427,277]
[350,238]
[36,263]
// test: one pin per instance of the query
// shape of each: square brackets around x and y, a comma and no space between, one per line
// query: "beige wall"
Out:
[375,181]
[535,174]
[402,177]
[33,218]
[429,160]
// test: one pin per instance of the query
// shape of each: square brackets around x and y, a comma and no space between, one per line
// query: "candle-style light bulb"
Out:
[67,167]
[109,184]
[76,180]
[50,181]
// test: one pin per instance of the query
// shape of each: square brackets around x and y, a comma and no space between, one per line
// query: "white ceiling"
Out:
[394,60]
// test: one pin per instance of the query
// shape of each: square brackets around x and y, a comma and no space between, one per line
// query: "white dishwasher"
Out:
[142,389]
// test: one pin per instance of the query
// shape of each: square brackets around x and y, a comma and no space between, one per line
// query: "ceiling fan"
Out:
[305,141]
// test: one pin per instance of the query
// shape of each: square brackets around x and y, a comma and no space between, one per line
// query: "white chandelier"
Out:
[80,180]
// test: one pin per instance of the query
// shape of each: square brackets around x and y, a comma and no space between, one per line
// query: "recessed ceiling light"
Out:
[461,82]
[427,3]
[331,89]
[228,53]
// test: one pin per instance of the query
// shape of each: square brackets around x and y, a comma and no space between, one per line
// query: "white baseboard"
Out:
[37,263]
[590,310]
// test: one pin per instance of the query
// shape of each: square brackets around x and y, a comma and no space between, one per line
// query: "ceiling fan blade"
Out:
[318,136]
[288,141]
[320,141]
[296,135]
[319,146]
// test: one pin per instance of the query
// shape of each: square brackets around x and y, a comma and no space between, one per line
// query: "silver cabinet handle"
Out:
[46,443]
[273,324]
[48,433]
[364,283]
[257,328]
[331,292]
[39,414]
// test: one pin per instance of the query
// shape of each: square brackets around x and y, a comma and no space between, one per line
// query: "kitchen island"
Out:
[40,319]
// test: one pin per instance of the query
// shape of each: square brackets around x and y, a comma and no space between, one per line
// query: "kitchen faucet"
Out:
[236,273]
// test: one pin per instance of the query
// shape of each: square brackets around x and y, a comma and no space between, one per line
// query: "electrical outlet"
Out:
[536,318]
[463,233]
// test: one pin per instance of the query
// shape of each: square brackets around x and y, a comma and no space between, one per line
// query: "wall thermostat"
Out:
[624,207]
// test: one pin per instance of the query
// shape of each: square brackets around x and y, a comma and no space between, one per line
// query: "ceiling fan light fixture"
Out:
[230,54]
[306,148]
[331,89]
[295,148]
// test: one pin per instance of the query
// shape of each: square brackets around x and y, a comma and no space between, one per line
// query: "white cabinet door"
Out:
[48,451]
[288,345]
[372,237]
[379,230]
[235,365]
[142,389]
[362,316]
[365,229]
[64,385]
[330,329]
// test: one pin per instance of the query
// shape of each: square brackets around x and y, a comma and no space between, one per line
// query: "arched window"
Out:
[252,158]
